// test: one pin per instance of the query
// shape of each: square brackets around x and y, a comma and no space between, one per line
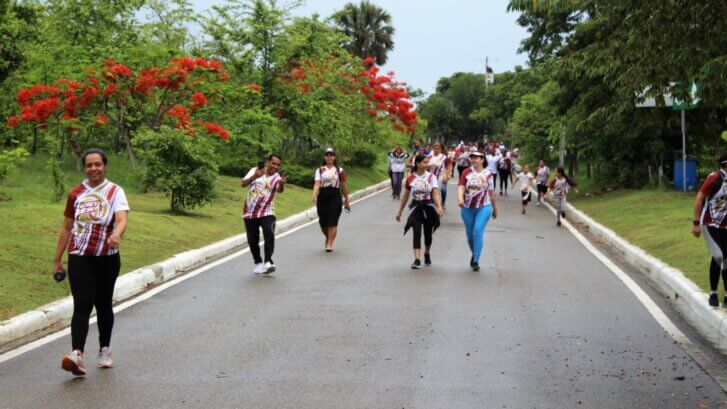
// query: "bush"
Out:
[9,160]
[299,175]
[364,156]
[180,165]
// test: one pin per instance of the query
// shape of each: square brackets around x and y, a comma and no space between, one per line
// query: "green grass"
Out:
[31,221]
[659,222]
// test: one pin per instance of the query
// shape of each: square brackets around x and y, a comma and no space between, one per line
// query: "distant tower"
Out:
[489,74]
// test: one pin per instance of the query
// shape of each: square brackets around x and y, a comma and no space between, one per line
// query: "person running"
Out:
[452,155]
[95,220]
[710,220]
[441,168]
[560,185]
[259,211]
[476,197]
[397,168]
[493,162]
[330,182]
[504,168]
[424,210]
[526,181]
[542,174]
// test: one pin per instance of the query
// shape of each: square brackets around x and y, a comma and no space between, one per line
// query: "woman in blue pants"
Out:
[476,197]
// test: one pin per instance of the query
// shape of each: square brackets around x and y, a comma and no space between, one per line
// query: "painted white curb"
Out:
[49,317]
[686,297]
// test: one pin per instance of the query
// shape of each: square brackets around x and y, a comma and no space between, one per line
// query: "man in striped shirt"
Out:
[264,182]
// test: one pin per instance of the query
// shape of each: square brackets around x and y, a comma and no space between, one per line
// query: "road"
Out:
[543,325]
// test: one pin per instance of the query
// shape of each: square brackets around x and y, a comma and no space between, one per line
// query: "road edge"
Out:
[49,317]
[688,299]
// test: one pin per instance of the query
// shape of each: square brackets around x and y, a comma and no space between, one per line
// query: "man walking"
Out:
[259,212]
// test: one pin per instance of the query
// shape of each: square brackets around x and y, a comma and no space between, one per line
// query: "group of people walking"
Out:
[96,215]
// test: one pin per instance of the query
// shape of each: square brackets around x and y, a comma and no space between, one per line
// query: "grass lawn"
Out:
[658,221]
[31,221]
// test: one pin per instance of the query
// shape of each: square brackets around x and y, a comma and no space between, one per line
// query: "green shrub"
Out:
[9,160]
[299,175]
[180,165]
[364,156]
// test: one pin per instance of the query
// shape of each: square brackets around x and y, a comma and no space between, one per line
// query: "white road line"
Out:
[702,359]
[145,296]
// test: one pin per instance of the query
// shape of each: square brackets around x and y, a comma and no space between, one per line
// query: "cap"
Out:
[477,153]
[330,150]
[473,149]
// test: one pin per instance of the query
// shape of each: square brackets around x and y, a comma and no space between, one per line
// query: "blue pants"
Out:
[475,221]
[443,192]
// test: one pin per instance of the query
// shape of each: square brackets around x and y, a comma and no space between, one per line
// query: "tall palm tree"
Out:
[369,29]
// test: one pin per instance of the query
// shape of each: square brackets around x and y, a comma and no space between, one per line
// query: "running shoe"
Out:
[557,224]
[329,250]
[475,266]
[427,260]
[416,265]
[538,204]
[268,268]
[523,211]
[713,300]
[501,193]
[73,363]
[259,268]
[562,214]
[472,261]
[104,358]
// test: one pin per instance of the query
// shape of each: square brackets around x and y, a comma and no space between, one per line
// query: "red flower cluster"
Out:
[216,129]
[167,89]
[198,101]
[253,87]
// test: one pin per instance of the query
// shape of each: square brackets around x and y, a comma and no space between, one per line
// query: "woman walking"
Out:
[560,185]
[330,182]
[710,220]
[397,167]
[95,220]
[526,181]
[424,210]
[476,197]
[493,163]
[441,168]
[463,159]
[542,174]
[504,168]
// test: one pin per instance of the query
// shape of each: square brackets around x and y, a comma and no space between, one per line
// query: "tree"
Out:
[369,30]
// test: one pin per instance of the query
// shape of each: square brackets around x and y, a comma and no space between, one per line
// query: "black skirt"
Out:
[329,205]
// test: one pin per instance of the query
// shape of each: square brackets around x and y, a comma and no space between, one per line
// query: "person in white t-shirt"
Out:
[526,179]
[441,167]
[542,174]
[259,211]
[493,161]
[330,183]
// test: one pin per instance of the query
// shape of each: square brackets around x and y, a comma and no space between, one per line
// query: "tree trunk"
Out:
[588,170]
[129,150]
[34,148]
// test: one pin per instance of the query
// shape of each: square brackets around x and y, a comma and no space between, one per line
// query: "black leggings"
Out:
[252,227]
[92,280]
[717,243]
[428,226]
[504,173]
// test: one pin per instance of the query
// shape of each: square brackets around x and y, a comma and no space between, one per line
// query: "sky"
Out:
[435,39]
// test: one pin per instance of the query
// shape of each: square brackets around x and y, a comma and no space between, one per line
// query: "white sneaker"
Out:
[259,268]
[538,204]
[73,363]
[104,358]
[268,268]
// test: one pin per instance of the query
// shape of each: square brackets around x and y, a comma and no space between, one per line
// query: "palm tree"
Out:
[369,29]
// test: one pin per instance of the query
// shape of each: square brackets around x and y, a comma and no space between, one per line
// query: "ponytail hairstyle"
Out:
[417,160]
[568,179]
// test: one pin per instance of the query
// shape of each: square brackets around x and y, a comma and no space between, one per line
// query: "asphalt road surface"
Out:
[542,325]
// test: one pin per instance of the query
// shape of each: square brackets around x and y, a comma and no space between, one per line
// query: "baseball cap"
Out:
[330,150]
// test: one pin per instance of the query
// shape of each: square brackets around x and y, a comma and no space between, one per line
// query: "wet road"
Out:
[542,325]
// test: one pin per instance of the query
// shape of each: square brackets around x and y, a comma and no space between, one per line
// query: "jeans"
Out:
[475,220]
[396,179]
[443,192]
[252,228]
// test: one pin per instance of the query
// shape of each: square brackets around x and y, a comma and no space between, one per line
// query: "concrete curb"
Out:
[50,317]
[686,297]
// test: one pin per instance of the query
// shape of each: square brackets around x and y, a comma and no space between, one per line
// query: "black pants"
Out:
[461,169]
[92,280]
[417,227]
[252,227]
[716,239]
[504,176]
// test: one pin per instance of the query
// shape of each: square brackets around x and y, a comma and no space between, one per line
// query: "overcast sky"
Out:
[434,39]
